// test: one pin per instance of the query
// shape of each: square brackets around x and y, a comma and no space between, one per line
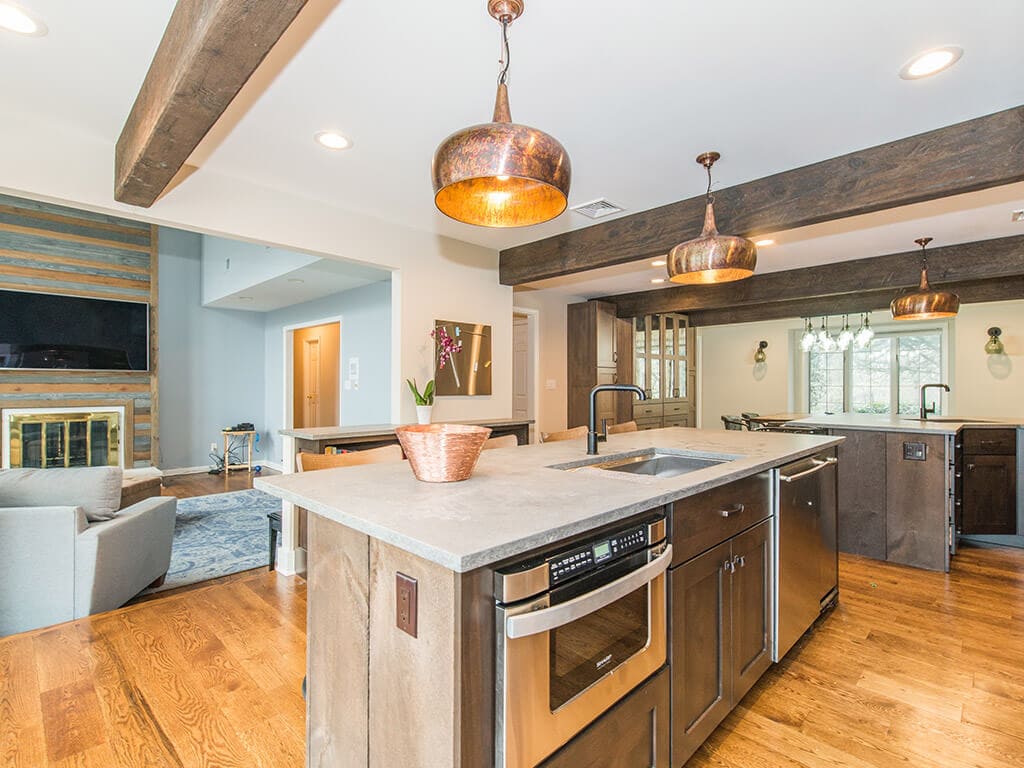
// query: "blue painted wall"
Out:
[211,360]
[365,333]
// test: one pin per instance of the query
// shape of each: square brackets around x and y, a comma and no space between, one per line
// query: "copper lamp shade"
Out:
[711,258]
[925,303]
[501,174]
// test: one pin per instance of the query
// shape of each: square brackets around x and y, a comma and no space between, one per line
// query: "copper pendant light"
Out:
[501,174]
[711,258]
[925,303]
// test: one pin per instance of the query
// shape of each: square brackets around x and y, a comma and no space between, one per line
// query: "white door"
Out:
[520,367]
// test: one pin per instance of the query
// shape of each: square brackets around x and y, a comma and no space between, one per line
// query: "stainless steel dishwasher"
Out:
[806,547]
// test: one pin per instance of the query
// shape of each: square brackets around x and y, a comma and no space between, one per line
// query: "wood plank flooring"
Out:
[913,669]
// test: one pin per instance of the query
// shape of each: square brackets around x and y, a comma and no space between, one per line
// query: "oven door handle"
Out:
[546,619]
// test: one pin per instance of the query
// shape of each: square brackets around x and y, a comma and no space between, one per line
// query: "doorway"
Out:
[316,364]
[524,365]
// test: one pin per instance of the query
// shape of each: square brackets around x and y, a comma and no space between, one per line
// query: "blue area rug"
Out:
[218,535]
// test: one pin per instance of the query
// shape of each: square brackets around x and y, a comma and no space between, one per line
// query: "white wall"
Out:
[988,385]
[230,266]
[731,383]
[211,360]
[438,278]
[365,315]
[552,364]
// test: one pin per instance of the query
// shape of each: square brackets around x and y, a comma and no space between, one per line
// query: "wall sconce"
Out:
[759,355]
[994,346]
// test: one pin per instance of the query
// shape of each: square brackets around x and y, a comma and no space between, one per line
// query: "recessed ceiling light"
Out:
[296,280]
[332,140]
[931,62]
[763,243]
[658,263]
[657,280]
[245,298]
[15,18]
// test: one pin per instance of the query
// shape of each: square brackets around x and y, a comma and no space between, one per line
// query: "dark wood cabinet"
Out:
[721,634]
[988,476]
[633,734]
[593,337]
[862,489]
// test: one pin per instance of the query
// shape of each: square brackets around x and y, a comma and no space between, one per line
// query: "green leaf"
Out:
[428,393]
[420,399]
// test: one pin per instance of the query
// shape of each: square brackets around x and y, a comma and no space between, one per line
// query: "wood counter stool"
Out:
[576,433]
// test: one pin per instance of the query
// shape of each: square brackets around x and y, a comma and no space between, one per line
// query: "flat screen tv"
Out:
[46,330]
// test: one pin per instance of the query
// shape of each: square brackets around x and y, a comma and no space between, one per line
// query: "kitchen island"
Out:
[425,695]
[910,488]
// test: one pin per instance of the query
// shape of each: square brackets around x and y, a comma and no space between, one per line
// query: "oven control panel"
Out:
[568,565]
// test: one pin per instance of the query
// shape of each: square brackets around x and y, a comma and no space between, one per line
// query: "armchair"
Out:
[65,550]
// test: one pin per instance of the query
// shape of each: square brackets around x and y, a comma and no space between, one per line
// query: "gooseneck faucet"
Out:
[592,434]
[925,410]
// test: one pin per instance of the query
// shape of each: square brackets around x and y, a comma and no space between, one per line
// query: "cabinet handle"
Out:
[741,560]
[729,566]
[735,509]
[970,467]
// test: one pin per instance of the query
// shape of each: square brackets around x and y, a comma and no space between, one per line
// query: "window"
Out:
[890,370]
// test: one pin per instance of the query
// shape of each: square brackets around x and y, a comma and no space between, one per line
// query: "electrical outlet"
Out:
[405,600]
[213,447]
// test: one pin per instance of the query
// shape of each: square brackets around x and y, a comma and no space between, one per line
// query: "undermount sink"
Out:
[658,464]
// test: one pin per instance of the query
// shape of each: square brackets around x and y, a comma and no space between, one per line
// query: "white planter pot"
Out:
[423,413]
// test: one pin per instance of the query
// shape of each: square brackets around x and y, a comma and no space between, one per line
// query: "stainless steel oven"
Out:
[578,628]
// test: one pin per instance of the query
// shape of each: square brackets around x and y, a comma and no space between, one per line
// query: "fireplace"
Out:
[63,437]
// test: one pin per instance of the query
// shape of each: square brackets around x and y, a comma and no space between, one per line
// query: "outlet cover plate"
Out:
[406,603]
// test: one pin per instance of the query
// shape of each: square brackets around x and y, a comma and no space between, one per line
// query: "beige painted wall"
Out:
[982,385]
[985,385]
[435,278]
[551,319]
[730,382]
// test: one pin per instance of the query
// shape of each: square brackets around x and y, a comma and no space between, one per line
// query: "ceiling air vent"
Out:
[597,209]
[1017,215]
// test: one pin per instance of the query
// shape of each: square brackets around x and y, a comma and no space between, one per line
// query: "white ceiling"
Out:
[634,90]
[314,281]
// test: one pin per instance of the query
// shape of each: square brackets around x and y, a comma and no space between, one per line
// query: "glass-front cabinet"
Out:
[663,367]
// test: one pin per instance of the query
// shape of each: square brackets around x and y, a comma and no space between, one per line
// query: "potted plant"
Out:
[424,400]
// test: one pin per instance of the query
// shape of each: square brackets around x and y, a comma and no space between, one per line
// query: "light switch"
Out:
[915,452]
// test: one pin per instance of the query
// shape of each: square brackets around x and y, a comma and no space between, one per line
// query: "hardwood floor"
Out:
[203,484]
[912,669]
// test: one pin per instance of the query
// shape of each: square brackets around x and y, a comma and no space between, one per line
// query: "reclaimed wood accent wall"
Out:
[53,249]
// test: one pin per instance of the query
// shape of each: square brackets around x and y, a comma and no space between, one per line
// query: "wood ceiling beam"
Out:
[970,292]
[979,260]
[966,157]
[209,51]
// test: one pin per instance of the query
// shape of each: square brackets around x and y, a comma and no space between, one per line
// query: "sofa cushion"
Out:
[97,490]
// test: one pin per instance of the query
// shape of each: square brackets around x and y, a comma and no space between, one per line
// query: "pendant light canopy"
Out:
[501,174]
[711,258]
[925,303]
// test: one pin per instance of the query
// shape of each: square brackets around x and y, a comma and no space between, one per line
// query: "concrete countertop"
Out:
[369,430]
[888,423]
[516,501]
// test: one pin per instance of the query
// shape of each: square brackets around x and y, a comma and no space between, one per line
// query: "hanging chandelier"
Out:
[711,258]
[925,303]
[501,174]
[824,341]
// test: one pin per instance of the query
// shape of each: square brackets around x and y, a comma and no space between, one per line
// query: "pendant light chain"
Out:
[506,55]
[710,199]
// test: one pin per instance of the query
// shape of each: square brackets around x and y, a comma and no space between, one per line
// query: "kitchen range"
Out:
[587,612]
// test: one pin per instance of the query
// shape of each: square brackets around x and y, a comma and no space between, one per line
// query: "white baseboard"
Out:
[291,561]
[274,465]
[185,470]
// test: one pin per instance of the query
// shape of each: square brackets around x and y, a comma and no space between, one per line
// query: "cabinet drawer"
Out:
[679,420]
[648,423]
[646,411]
[991,441]
[675,408]
[707,519]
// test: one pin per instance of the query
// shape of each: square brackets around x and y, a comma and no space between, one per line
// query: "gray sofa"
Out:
[67,552]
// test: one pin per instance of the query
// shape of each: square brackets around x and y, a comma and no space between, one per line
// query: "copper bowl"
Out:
[442,453]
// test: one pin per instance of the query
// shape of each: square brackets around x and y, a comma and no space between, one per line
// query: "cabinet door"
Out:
[701,639]
[751,608]
[633,734]
[604,323]
[862,466]
[989,494]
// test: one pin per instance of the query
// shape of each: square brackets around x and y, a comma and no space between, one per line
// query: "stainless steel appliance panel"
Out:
[806,547]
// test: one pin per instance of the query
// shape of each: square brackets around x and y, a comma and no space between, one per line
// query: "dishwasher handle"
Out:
[546,619]
[819,464]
